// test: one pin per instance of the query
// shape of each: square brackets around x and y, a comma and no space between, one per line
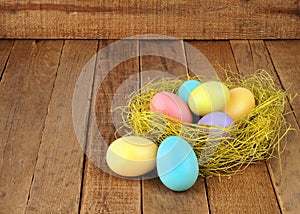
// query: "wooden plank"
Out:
[118,19]
[5,49]
[152,59]
[156,197]
[285,172]
[251,191]
[58,173]
[218,54]
[159,199]
[25,92]
[286,58]
[103,192]
[251,56]
[284,177]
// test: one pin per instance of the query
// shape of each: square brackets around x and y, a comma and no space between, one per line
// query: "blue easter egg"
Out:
[186,88]
[177,164]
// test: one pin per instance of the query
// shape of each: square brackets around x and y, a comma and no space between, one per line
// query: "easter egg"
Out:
[131,156]
[215,135]
[186,88]
[241,102]
[208,97]
[216,119]
[177,164]
[171,105]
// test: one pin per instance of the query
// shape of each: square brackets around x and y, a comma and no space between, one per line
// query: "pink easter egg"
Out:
[171,105]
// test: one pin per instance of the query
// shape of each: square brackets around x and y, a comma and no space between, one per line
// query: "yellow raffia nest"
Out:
[256,137]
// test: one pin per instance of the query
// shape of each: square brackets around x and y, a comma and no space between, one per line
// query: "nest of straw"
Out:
[256,137]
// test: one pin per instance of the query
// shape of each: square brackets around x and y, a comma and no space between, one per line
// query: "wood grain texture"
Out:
[58,173]
[5,50]
[252,55]
[286,59]
[156,197]
[251,191]
[152,59]
[286,172]
[218,54]
[103,192]
[215,19]
[159,199]
[25,92]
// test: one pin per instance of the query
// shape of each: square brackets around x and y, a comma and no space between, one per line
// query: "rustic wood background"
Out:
[44,170]
[192,19]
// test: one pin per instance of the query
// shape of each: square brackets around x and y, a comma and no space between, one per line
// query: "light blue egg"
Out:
[177,164]
[186,88]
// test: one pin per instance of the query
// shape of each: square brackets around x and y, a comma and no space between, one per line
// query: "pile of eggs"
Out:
[175,161]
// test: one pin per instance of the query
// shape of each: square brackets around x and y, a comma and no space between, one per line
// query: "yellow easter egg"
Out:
[208,97]
[240,103]
[131,156]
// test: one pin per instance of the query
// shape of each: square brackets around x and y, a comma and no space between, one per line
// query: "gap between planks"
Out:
[6,47]
[87,130]
[44,124]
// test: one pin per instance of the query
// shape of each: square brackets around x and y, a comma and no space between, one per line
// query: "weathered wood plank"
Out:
[218,54]
[58,173]
[286,172]
[102,192]
[118,19]
[25,92]
[251,191]
[286,59]
[159,199]
[152,60]
[5,48]
[156,197]
[251,56]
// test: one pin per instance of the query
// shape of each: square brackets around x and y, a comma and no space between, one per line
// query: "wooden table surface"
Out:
[44,170]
